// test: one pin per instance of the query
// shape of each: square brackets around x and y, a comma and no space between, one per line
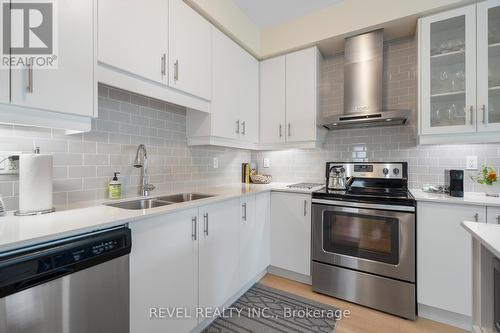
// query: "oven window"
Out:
[363,236]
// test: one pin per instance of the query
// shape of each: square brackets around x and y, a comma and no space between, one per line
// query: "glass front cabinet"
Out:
[459,74]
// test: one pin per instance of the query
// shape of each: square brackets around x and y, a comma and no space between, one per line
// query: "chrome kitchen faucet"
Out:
[141,161]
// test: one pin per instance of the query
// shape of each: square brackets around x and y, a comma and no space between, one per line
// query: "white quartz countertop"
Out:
[469,198]
[487,234]
[17,232]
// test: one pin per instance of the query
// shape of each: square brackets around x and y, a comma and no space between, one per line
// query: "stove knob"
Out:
[396,171]
[385,171]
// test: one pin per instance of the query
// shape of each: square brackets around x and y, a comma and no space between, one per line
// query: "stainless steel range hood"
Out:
[363,73]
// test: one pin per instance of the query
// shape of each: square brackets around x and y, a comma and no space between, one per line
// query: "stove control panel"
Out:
[373,170]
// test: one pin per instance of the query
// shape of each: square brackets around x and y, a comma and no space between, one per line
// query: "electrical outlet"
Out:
[471,163]
[8,167]
[266,163]
[216,163]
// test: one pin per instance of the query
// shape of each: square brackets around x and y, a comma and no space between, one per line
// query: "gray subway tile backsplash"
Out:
[84,163]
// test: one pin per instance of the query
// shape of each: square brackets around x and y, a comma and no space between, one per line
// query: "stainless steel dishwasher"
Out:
[75,285]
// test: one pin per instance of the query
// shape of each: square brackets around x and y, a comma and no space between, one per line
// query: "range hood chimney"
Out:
[363,74]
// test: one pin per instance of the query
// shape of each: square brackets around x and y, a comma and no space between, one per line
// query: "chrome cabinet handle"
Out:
[238,126]
[29,87]
[244,127]
[176,70]
[205,219]
[289,130]
[305,207]
[498,219]
[471,110]
[485,114]
[244,216]
[280,132]
[193,227]
[163,64]
[476,217]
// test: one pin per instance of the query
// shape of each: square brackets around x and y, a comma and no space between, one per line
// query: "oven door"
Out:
[378,239]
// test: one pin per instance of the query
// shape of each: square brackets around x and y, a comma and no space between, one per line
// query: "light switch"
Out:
[471,163]
[267,162]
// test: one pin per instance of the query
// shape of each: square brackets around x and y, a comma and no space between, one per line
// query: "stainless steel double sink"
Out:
[147,203]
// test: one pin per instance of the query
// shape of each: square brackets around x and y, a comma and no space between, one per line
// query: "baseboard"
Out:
[205,323]
[445,317]
[290,275]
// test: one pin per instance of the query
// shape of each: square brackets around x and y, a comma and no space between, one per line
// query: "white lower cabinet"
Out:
[200,257]
[254,236]
[4,85]
[444,262]
[163,271]
[493,214]
[219,256]
[291,232]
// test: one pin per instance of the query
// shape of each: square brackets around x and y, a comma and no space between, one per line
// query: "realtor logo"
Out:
[28,34]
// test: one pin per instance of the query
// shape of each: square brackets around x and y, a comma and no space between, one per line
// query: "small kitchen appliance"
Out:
[336,177]
[456,180]
[363,238]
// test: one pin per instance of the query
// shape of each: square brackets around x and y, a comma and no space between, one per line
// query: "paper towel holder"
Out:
[36,150]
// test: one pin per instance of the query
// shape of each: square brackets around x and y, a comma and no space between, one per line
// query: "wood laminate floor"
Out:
[362,320]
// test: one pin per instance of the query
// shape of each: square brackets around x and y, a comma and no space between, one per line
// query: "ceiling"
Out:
[268,13]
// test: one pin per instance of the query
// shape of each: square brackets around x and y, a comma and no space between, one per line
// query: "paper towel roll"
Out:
[35,182]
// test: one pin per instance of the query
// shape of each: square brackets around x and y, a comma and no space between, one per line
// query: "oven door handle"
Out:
[363,205]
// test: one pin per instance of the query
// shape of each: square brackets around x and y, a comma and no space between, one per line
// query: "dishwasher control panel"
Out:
[22,269]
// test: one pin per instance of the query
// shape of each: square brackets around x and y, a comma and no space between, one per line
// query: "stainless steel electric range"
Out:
[363,237]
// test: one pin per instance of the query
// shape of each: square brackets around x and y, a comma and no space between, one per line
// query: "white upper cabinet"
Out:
[289,99]
[301,95]
[459,80]
[235,98]
[233,120]
[272,100]
[448,77]
[133,37]
[190,51]
[488,65]
[70,88]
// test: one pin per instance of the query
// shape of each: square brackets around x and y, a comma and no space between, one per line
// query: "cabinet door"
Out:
[488,65]
[4,85]
[227,80]
[190,47]
[272,100]
[291,232]
[133,37]
[248,96]
[163,271]
[254,236]
[263,218]
[71,87]
[493,215]
[4,74]
[444,263]
[301,93]
[219,255]
[448,72]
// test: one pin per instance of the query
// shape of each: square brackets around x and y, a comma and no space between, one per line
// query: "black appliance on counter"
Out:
[363,238]
[456,182]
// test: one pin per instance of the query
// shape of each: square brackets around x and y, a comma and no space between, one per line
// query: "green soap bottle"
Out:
[115,188]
